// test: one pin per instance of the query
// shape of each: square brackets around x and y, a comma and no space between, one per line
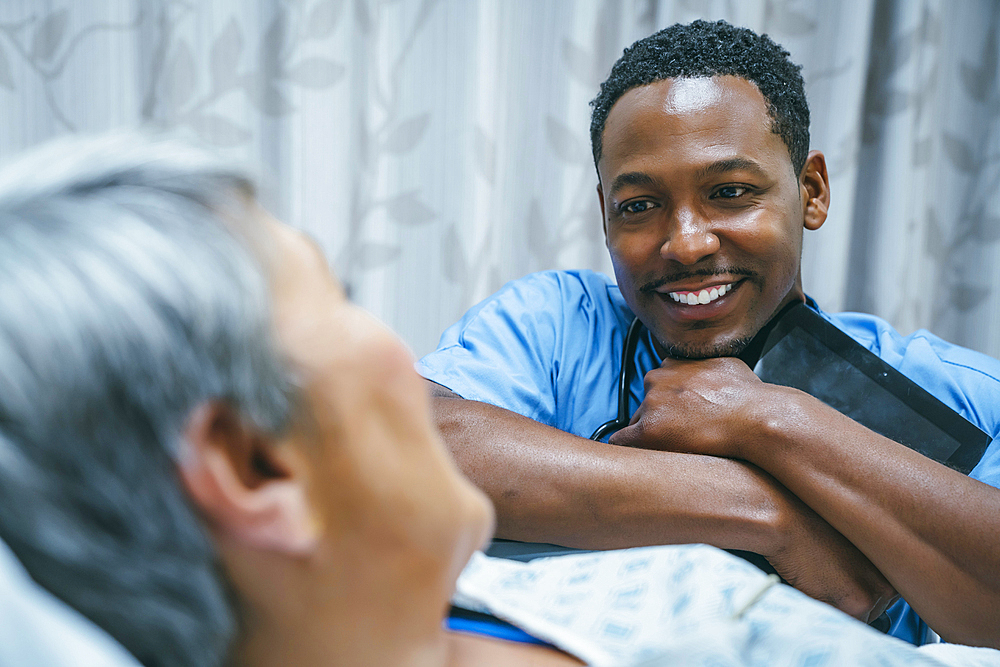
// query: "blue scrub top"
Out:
[548,346]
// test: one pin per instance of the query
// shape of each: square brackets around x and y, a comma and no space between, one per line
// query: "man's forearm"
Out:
[934,532]
[551,486]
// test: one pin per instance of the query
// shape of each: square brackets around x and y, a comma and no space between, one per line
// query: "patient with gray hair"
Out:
[204,448]
[208,456]
[124,306]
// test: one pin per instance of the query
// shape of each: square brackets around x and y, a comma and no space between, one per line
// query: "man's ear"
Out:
[247,487]
[815,188]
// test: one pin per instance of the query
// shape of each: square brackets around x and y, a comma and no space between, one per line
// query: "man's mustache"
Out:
[697,273]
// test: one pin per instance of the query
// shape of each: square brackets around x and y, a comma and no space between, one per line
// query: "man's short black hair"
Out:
[705,49]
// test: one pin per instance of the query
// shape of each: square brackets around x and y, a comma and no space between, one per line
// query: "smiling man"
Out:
[698,155]
[706,184]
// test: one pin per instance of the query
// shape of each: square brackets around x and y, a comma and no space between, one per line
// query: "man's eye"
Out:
[637,206]
[731,192]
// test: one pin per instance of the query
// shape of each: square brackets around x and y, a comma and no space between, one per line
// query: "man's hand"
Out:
[708,407]
[823,564]
[702,407]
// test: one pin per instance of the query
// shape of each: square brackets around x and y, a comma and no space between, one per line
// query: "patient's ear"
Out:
[248,487]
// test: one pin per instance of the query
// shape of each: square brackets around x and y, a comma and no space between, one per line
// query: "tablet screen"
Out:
[806,352]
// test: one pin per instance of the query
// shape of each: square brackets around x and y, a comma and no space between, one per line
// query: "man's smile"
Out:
[700,295]
[704,296]
[703,304]
[694,281]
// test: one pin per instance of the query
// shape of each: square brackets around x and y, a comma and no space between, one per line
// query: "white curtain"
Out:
[438,148]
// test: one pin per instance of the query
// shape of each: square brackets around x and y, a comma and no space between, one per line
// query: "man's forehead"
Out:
[684,95]
[689,95]
[729,105]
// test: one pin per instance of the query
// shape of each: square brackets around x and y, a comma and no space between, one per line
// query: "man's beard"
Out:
[732,348]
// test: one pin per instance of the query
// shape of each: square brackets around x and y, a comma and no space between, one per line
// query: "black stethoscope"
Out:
[625,376]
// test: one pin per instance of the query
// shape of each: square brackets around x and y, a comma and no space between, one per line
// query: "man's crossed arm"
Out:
[551,486]
[933,532]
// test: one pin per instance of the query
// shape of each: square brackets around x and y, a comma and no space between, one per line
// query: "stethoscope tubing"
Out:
[625,375]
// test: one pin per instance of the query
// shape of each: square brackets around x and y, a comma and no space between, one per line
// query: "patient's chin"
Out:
[479,522]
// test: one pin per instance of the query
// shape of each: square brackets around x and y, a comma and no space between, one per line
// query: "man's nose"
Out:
[690,238]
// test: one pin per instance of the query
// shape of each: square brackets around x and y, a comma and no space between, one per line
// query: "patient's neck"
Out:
[317,646]
[329,608]
[474,650]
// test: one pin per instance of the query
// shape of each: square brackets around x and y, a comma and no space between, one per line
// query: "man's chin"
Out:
[730,348]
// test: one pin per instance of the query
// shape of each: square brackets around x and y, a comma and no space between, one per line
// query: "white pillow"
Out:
[38,629]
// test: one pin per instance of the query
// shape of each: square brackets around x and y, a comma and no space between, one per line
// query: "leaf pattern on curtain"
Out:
[438,148]
[930,120]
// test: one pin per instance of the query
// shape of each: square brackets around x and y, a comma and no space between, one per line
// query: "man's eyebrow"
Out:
[631,178]
[642,179]
[730,164]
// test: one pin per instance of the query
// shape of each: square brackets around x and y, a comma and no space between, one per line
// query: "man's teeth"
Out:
[702,297]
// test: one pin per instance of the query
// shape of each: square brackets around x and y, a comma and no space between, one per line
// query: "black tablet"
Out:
[804,351]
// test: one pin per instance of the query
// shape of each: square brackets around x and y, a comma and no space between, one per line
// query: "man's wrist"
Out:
[775,418]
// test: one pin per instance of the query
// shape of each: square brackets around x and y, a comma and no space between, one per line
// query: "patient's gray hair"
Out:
[130,290]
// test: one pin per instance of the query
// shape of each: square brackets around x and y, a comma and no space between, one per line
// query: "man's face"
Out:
[395,511]
[702,212]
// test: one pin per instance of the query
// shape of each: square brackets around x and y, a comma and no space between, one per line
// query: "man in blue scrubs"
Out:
[706,183]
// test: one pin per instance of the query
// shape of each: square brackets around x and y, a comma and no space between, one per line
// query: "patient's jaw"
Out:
[368,521]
